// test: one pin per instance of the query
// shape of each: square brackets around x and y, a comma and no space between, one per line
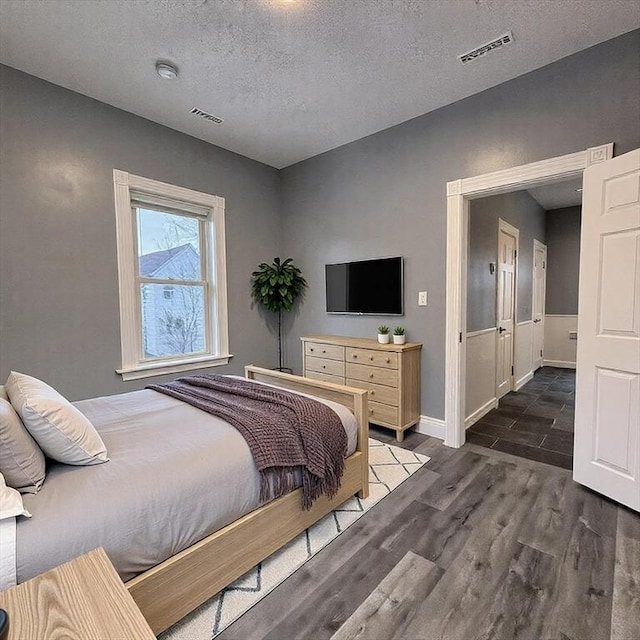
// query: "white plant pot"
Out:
[399,339]
[383,338]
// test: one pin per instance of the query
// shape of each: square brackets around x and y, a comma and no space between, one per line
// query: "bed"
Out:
[174,541]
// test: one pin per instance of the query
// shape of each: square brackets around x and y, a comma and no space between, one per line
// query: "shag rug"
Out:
[389,466]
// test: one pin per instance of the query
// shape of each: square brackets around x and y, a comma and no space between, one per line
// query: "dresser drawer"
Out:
[377,392]
[377,375]
[321,350]
[386,359]
[322,365]
[383,413]
[325,377]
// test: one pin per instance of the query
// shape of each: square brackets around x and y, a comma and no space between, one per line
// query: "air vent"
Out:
[507,38]
[207,116]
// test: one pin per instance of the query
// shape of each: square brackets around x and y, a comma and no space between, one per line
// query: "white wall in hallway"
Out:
[559,349]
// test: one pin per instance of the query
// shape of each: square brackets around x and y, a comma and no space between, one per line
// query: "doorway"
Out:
[459,195]
[508,239]
[538,305]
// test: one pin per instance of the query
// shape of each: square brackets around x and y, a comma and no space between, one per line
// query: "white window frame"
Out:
[210,209]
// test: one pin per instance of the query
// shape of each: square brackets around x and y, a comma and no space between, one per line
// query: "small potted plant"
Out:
[398,336]
[383,334]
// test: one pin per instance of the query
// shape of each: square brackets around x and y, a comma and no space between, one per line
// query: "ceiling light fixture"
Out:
[166,70]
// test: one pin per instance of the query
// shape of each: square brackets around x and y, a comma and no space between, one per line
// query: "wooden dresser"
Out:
[389,372]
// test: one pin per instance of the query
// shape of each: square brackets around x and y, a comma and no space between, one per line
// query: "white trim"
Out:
[164,367]
[481,412]
[459,193]
[480,332]
[561,315]
[209,207]
[561,364]
[429,426]
[525,378]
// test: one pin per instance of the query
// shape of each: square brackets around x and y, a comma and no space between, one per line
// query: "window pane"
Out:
[168,245]
[173,320]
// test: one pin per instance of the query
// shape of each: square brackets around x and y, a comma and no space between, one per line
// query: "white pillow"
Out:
[61,430]
[21,460]
[3,394]
[10,502]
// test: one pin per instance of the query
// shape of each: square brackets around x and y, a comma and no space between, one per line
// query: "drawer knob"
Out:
[324,366]
[371,411]
[370,357]
[387,360]
[373,393]
[310,348]
[371,375]
[324,351]
[354,355]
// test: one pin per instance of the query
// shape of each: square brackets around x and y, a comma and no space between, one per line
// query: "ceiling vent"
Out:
[498,43]
[206,116]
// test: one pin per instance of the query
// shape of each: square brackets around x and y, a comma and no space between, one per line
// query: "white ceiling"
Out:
[293,78]
[558,195]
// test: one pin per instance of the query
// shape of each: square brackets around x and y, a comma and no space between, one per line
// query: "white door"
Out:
[539,290]
[505,312]
[607,422]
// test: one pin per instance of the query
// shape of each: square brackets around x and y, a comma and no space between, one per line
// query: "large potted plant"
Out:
[277,286]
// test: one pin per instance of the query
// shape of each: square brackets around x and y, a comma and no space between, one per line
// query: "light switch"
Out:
[422,298]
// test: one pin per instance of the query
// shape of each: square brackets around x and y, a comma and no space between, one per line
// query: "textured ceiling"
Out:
[558,195]
[293,78]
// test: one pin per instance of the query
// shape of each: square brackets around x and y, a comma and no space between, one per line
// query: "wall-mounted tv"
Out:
[373,287]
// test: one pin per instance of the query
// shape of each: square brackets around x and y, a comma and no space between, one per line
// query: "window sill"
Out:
[172,366]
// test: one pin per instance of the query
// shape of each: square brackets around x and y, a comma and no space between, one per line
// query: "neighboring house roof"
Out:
[151,263]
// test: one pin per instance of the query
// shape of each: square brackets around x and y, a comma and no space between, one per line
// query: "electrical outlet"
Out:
[422,298]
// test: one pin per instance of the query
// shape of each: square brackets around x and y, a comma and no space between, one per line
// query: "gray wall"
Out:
[523,212]
[59,316]
[563,260]
[385,194]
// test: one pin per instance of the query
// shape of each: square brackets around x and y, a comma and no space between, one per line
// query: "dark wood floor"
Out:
[535,422]
[477,544]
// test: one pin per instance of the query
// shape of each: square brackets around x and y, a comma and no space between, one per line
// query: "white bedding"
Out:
[176,475]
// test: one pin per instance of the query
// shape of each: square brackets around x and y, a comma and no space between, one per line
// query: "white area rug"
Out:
[388,467]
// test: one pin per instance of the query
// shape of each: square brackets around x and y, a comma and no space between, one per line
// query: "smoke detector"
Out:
[166,70]
[478,52]
[207,116]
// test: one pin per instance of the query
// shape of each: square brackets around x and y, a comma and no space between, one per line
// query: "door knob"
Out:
[501,329]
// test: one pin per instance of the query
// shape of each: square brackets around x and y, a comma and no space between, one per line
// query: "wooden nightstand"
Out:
[82,599]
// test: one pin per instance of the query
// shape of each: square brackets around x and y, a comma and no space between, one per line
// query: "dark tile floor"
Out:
[535,422]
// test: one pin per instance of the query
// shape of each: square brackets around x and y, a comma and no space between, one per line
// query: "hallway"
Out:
[535,422]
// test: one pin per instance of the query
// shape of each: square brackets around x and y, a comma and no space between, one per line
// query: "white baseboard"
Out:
[429,426]
[561,364]
[481,412]
[520,383]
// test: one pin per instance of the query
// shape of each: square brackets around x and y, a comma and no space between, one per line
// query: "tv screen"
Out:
[365,287]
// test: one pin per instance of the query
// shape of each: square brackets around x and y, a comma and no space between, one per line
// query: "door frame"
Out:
[509,229]
[459,194]
[542,246]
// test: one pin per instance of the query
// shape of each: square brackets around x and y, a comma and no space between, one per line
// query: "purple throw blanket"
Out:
[285,431]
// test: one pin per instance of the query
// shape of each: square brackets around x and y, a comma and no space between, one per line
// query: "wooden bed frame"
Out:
[170,590]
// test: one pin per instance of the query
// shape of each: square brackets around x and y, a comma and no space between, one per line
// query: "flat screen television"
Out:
[373,287]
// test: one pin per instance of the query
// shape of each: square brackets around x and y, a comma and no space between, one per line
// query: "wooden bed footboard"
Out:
[172,589]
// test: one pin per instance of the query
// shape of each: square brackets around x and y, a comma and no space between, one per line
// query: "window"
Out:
[172,277]
[168,292]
